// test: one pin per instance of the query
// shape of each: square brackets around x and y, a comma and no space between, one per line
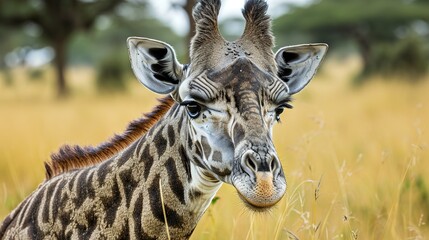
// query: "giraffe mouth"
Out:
[262,194]
[257,206]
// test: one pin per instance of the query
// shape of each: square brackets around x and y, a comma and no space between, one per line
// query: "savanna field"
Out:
[356,158]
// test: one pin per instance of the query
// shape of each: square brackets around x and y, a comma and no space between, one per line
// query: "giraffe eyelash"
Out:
[279,110]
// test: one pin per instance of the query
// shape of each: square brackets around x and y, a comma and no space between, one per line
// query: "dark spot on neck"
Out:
[173,218]
[174,180]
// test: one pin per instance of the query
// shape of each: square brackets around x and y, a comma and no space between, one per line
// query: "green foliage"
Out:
[13,38]
[375,27]
[423,191]
[111,73]
[36,74]
[407,58]
[214,200]
[89,32]
[92,47]
[57,22]
[345,15]
[106,48]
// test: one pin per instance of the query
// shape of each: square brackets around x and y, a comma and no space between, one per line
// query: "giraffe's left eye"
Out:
[279,111]
[193,109]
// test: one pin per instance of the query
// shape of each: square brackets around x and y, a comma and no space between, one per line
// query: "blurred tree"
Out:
[187,7]
[9,40]
[111,73]
[406,58]
[109,53]
[58,21]
[365,22]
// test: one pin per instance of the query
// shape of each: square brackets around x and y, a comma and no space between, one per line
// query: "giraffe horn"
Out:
[258,25]
[205,14]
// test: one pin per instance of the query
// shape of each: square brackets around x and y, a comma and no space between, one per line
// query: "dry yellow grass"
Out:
[356,160]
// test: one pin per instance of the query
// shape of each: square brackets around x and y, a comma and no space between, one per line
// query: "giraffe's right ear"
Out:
[155,65]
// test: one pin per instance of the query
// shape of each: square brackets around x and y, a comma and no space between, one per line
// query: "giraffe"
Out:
[214,126]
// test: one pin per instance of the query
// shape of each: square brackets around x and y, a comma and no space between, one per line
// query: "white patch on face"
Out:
[206,185]
[213,125]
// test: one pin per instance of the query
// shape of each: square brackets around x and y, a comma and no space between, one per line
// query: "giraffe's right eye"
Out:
[193,109]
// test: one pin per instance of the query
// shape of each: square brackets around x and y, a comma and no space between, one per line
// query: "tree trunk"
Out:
[60,47]
[365,48]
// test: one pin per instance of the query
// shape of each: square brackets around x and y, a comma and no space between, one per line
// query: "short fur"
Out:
[141,181]
[257,37]
[207,37]
[208,47]
[258,23]
[74,157]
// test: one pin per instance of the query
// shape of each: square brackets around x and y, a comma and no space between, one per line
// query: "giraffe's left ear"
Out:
[298,64]
[155,65]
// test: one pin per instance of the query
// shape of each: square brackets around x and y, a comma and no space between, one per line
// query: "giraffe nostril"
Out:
[273,164]
[251,163]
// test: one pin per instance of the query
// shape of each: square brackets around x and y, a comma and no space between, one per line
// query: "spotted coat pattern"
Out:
[156,180]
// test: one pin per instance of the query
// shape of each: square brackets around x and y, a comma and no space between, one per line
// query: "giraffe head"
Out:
[232,94]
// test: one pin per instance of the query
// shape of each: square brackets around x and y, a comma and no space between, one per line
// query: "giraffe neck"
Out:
[133,195]
[167,160]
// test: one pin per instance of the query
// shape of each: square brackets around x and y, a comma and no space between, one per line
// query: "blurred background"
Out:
[354,149]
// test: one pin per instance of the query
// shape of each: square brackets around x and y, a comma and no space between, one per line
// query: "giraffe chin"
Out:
[257,206]
[261,195]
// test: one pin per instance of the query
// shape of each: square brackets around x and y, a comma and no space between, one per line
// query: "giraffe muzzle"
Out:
[261,184]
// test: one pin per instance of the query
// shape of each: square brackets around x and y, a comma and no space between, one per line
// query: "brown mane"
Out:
[73,157]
